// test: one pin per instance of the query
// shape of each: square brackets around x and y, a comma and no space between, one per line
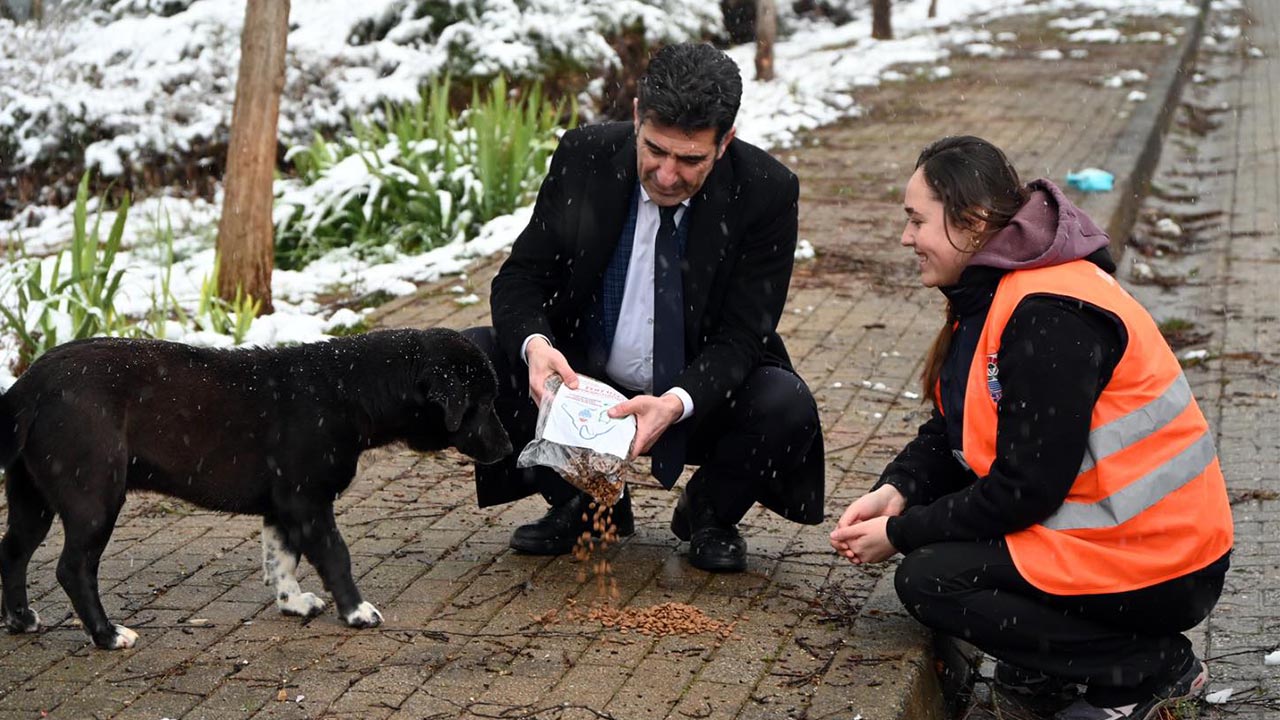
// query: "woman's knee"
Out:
[915,581]
[942,573]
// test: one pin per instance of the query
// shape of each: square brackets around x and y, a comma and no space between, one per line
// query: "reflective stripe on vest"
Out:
[1125,504]
[1146,420]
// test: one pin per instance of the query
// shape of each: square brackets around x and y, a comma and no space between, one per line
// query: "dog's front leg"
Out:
[279,563]
[322,544]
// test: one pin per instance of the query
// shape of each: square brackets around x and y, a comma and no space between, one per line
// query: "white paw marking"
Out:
[278,567]
[275,559]
[15,626]
[301,604]
[364,616]
[125,638]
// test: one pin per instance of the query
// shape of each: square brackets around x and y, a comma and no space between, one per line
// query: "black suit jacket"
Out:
[736,270]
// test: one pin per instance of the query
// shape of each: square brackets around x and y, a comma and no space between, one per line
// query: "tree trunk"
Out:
[246,237]
[739,20]
[37,12]
[881,28]
[933,9]
[766,34]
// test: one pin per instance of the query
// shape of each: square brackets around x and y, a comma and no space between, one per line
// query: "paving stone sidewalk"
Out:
[1219,281]
[467,632]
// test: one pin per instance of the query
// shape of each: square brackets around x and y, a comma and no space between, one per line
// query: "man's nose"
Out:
[667,172]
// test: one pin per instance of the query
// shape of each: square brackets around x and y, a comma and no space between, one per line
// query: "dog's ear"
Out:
[450,396]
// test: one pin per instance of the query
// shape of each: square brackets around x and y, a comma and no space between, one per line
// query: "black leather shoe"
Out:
[714,546]
[558,531]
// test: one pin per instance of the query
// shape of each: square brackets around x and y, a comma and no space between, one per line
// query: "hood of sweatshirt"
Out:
[1048,230]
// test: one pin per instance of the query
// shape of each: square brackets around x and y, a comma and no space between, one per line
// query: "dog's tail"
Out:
[8,434]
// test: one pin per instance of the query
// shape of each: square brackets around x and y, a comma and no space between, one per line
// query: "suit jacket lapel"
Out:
[712,230]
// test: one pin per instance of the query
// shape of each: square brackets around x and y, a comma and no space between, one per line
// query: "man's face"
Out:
[673,163]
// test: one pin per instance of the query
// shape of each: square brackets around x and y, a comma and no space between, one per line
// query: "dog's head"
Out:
[458,387]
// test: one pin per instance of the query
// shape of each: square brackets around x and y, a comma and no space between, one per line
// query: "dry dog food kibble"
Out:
[661,620]
[656,620]
[596,474]
[603,533]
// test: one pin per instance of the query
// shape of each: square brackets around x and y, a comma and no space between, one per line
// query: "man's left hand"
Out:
[653,416]
[865,542]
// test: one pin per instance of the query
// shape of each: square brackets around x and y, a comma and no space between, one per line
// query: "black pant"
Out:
[1124,646]
[759,435]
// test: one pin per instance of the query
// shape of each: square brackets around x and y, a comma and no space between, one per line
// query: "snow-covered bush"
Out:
[141,91]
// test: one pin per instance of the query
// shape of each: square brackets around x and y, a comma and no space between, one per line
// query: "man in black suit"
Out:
[658,259]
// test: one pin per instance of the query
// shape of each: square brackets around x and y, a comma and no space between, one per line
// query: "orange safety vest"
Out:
[1149,503]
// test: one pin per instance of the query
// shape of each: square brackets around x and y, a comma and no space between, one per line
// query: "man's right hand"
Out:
[545,361]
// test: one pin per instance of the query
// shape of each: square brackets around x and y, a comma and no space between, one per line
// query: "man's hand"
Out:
[653,416]
[885,502]
[545,361]
[864,542]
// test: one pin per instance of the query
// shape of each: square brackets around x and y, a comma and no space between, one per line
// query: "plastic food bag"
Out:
[577,438]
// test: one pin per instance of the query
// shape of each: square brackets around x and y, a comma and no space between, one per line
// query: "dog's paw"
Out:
[364,616]
[27,621]
[300,604]
[124,639]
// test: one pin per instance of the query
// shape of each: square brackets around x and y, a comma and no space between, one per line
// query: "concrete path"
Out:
[468,631]
[1219,181]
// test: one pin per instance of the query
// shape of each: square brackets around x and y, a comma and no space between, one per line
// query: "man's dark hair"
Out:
[692,87]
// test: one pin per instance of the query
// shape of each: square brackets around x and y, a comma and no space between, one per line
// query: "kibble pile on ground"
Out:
[669,618]
[656,620]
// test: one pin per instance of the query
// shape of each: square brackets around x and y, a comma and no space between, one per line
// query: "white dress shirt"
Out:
[630,362]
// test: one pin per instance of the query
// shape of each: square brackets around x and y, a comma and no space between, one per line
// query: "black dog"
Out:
[270,432]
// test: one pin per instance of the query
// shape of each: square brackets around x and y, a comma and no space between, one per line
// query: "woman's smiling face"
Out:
[942,249]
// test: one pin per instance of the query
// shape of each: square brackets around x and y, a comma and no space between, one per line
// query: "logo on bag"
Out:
[591,424]
[993,378]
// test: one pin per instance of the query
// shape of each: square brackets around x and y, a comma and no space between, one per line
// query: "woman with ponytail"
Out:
[1063,508]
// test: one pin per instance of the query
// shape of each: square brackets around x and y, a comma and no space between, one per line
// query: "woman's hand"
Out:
[864,542]
[545,361]
[884,502]
[653,416]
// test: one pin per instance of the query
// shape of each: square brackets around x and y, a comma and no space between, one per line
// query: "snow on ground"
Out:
[124,71]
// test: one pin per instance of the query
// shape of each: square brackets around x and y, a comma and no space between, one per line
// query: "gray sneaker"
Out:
[1191,684]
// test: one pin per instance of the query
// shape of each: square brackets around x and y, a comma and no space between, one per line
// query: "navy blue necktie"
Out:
[668,342]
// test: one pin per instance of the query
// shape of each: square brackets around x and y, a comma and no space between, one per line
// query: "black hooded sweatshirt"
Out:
[1056,356]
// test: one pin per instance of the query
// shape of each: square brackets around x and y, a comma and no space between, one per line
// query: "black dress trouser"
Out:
[758,436]
[1124,646]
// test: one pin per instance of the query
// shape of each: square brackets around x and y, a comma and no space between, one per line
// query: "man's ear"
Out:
[724,144]
[635,114]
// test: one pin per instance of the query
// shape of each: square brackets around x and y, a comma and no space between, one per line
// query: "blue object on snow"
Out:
[1091,180]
